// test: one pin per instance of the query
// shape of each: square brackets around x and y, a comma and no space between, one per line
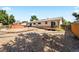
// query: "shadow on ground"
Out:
[34,42]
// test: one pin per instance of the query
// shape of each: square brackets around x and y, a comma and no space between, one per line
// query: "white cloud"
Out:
[6,8]
[33,13]
[76,9]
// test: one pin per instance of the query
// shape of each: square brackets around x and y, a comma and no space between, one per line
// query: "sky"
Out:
[24,13]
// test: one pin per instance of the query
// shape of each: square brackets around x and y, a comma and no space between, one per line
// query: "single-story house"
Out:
[47,23]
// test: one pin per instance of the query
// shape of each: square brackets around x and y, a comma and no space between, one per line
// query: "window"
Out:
[53,24]
[45,22]
[39,23]
[34,23]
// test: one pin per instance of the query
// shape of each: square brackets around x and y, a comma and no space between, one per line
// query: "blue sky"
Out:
[23,13]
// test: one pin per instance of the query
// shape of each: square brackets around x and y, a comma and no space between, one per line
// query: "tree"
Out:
[5,19]
[11,19]
[2,15]
[76,15]
[65,22]
[33,18]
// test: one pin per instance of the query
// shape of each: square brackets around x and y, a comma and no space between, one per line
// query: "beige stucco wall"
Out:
[57,21]
[43,23]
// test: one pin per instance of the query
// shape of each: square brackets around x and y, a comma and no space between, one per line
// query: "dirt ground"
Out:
[9,34]
[70,42]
